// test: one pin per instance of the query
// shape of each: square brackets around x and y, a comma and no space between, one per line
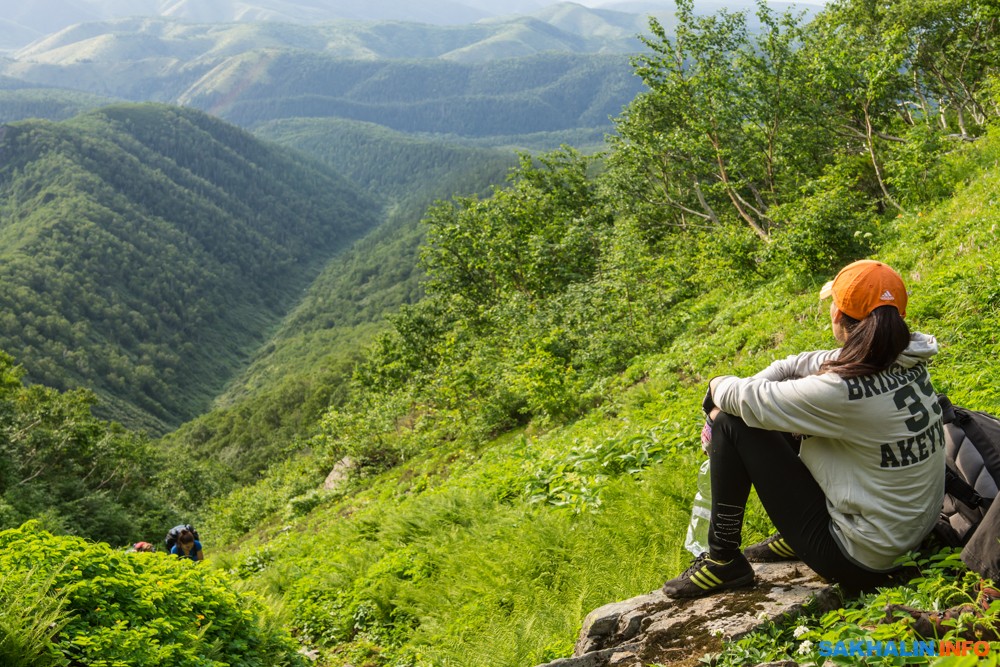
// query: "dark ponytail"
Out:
[873,344]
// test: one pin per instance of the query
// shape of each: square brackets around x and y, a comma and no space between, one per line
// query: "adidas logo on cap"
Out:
[887,296]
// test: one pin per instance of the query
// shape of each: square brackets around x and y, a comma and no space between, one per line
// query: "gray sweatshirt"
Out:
[874,444]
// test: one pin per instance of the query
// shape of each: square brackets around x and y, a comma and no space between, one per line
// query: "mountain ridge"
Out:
[509,77]
[149,248]
[567,24]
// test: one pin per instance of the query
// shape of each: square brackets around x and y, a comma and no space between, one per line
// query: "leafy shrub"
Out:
[308,501]
[574,479]
[138,609]
[30,617]
[831,224]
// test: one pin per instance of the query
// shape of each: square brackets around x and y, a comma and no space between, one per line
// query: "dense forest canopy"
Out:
[147,250]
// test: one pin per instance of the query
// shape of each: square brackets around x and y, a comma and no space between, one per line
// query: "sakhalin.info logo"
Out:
[868,648]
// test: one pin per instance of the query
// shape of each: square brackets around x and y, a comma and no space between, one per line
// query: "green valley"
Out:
[147,251]
[444,442]
[273,406]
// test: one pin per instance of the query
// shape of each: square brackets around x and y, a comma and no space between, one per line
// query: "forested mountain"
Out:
[26,21]
[543,93]
[147,250]
[567,28]
[275,403]
[19,100]
[387,163]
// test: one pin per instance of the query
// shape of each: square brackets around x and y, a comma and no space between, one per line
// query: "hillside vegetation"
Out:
[521,443]
[23,102]
[388,164]
[539,93]
[148,250]
[68,601]
[524,438]
[274,405]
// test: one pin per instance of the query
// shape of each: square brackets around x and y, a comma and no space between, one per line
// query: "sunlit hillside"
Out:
[445,441]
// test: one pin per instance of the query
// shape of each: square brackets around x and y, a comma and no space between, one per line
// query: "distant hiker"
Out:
[861,481]
[144,547]
[171,539]
[187,546]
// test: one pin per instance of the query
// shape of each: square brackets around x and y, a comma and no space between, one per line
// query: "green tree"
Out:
[727,128]
[534,238]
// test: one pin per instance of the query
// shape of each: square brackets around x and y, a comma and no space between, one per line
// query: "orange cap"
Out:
[865,285]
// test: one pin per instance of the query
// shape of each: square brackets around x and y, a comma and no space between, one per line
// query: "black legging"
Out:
[741,456]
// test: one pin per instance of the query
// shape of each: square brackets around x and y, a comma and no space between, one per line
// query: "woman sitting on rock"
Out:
[845,447]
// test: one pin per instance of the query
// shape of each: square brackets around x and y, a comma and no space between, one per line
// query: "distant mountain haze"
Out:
[25,21]
[564,69]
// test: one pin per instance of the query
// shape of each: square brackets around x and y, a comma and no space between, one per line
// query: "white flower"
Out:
[805,647]
[799,631]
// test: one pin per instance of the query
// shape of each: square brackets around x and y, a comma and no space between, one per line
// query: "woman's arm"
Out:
[796,366]
[812,405]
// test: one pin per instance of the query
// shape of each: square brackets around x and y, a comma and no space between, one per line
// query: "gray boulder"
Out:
[654,628]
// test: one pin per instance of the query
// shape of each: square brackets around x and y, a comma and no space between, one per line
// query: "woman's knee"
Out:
[732,431]
[728,426]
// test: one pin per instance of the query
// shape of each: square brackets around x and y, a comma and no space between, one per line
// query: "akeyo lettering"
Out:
[914,449]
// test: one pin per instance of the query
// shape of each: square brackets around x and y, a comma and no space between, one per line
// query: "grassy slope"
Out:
[450,546]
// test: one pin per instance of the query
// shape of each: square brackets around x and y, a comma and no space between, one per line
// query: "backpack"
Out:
[175,532]
[972,472]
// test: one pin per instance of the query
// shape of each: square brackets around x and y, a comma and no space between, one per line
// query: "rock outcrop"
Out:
[654,628]
[338,476]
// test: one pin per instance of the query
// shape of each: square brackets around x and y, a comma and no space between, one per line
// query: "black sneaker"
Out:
[772,550]
[706,576]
